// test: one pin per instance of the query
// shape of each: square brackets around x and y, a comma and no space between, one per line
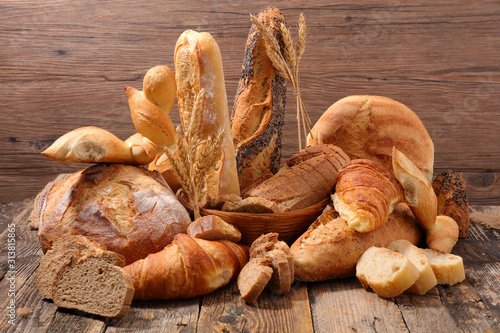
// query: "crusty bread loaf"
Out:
[268,246]
[253,278]
[212,227]
[91,284]
[426,278]
[448,268]
[444,235]
[452,200]
[386,272]
[92,144]
[307,178]
[189,267]
[365,194]
[329,249]
[369,126]
[127,208]
[198,65]
[259,107]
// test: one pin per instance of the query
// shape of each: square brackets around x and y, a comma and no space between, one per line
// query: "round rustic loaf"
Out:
[129,209]
[370,126]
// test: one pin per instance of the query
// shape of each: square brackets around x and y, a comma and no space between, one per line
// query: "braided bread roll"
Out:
[189,267]
[365,195]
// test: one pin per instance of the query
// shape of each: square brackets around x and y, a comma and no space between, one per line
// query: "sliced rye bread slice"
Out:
[253,278]
[61,250]
[89,283]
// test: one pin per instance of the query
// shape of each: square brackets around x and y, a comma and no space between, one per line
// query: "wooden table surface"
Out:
[340,305]
[63,65]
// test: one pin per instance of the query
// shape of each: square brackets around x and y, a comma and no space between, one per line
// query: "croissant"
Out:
[188,267]
[92,144]
[365,195]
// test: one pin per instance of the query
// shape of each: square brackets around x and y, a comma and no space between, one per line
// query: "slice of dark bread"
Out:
[90,283]
[63,249]
[253,278]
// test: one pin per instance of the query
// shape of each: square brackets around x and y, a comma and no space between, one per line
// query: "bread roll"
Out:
[198,65]
[452,200]
[426,279]
[444,235]
[365,194]
[129,209]
[92,144]
[307,178]
[259,107]
[386,272]
[329,249]
[189,267]
[369,126]
[158,86]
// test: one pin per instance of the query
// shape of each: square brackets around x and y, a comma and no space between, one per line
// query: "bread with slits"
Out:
[365,194]
[367,126]
[188,267]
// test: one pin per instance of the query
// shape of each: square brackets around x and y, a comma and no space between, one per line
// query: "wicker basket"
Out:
[289,225]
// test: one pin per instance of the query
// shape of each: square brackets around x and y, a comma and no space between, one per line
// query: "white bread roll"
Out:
[426,279]
[198,65]
[369,126]
[448,268]
[444,235]
[95,145]
[386,272]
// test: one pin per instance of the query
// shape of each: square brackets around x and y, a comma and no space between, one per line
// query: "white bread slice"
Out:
[448,268]
[426,279]
[386,272]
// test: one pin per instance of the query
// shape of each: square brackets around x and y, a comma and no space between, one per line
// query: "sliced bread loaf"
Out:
[426,279]
[253,278]
[89,283]
[386,272]
[448,268]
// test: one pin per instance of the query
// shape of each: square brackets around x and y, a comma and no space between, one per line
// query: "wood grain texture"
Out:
[63,65]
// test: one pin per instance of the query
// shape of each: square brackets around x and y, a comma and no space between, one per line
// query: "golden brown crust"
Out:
[159,87]
[92,144]
[329,249]
[128,209]
[452,200]
[365,194]
[259,108]
[198,65]
[187,268]
[369,126]
[307,178]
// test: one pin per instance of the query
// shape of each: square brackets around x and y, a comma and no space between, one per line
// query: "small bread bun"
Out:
[386,272]
[426,279]
[159,87]
[448,268]
[444,235]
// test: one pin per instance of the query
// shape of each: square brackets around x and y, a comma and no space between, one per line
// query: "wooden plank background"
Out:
[63,65]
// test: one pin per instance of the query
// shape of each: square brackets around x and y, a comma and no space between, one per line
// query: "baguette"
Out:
[92,144]
[386,272]
[259,107]
[426,279]
[448,268]
[365,194]
[189,267]
[369,126]
[198,65]
[329,249]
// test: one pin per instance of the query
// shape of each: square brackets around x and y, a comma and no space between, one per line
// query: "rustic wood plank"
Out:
[64,65]
[225,311]
[342,305]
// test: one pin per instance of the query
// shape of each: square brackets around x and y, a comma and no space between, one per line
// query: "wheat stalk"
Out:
[286,63]
[194,157]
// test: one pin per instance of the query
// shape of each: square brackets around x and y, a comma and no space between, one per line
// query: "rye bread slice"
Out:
[253,278]
[91,284]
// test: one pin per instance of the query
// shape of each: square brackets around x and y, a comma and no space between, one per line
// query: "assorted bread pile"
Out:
[116,230]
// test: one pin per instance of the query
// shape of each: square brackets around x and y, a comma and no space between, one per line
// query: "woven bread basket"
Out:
[289,225]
